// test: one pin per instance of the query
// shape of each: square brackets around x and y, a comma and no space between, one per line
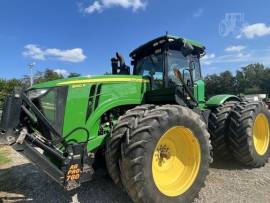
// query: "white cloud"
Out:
[71,55]
[198,13]
[208,58]
[63,72]
[238,36]
[248,57]
[237,48]
[96,6]
[33,51]
[258,29]
[100,5]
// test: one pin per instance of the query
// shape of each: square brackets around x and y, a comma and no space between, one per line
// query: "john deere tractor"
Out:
[153,127]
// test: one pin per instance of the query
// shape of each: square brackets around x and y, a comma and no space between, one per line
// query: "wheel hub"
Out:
[163,154]
[261,135]
[176,161]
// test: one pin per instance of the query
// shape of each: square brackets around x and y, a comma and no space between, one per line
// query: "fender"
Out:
[220,99]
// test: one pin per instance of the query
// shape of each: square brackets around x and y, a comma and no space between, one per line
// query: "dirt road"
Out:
[21,181]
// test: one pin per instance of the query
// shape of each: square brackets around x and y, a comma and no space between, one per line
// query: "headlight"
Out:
[33,94]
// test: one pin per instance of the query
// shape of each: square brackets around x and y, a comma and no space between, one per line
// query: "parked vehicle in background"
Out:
[268,103]
[255,97]
[258,97]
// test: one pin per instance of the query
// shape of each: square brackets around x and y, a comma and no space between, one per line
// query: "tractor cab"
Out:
[172,64]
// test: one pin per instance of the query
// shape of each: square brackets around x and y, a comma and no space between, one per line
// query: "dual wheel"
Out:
[159,153]
[241,130]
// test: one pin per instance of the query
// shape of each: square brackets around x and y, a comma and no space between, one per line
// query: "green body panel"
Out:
[114,91]
[220,99]
[199,93]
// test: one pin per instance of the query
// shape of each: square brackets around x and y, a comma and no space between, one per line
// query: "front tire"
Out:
[113,143]
[165,157]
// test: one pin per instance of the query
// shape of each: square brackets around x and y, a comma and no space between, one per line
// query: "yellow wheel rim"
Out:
[261,134]
[176,161]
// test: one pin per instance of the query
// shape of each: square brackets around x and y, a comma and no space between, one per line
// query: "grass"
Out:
[4,159]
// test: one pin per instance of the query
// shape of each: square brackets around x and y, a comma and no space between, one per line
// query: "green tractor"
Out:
[154,128]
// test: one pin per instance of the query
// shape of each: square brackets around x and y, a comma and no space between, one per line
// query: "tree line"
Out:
[251,79]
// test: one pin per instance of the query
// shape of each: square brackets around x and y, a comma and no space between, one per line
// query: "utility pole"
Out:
[31,66]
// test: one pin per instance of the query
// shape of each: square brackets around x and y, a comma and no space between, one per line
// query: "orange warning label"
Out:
[73,172]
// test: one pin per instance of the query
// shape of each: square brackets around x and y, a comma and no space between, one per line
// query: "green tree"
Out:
[253,76]
[251,79]
[265,83]
[240,82]
[47,75]
[220,84]
[73,75]
[213,85]
[227,83]
[6,87]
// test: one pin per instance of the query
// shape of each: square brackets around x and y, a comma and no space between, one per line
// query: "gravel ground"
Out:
[229,181]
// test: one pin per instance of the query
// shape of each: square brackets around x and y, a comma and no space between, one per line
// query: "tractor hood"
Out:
[92,79]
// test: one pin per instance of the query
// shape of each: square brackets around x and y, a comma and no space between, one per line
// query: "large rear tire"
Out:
[249,137]
[219,120]
[113,150]
[165,156]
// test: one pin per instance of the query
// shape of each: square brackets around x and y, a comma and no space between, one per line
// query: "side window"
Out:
[48,105]
[177,60]
[197,68]
[152,67]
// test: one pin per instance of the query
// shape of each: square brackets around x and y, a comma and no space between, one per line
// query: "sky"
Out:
[83,35]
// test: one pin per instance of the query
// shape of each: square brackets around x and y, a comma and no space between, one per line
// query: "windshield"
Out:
[177,60]
[152,67]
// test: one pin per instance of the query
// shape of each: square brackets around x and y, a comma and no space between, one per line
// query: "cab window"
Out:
[152,66]
[177,60]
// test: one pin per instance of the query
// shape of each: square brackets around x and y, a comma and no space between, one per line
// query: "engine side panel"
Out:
[86,103]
